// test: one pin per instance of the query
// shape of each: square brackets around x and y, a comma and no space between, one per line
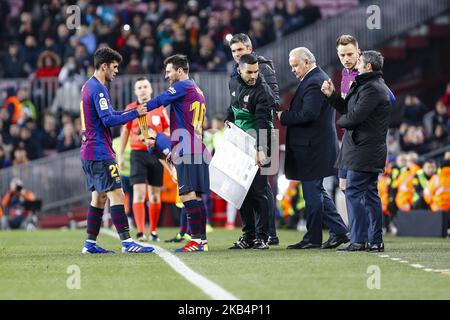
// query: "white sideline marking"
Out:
[207,286]
[416,265]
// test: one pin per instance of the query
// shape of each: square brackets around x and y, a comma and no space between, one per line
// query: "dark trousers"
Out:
[364,207]
[271,197]
[320,209]
[256,203]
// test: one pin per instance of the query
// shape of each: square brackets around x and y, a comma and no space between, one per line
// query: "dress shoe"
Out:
[303,245]
[335,241]
[352,247]
[375,247]
[273,241]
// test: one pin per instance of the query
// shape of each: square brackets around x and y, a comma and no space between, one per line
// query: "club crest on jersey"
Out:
[234,94]
[156,120]
[103,104]
[172,90]
[246,98]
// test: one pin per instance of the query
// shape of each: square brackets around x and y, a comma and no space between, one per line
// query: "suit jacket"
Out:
[311,142]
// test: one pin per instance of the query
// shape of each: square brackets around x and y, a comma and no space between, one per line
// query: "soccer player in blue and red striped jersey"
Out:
[97,154]
[187,112]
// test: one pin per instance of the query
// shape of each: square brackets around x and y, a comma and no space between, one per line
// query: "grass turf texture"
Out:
[33,265]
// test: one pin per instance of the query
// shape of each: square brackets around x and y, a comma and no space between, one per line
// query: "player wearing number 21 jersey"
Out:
[97,155]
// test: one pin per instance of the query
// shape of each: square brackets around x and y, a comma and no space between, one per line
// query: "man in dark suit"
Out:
[311,151]
[365,116]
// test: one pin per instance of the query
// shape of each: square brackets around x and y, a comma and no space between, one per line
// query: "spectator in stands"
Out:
[154,13]
[67,138]
[413,139]
[259,35]
[13,62]
[310,12]
[31,53]
[26,25]
[437,191]
[70,80]
[180,44]
[420,182]
[14,204]
[294,19]
[4,162]
[241,17]
[413,110]
[210,59]
[280,8]
[437,116]
[50,45]
[49,65]
[48,141]
[445,99]
[27,106]
[267,19]
[13,138]
[440,138]
[29,143]
[12,105]
[62,40]
[279,27]
[20,156]
[440,116]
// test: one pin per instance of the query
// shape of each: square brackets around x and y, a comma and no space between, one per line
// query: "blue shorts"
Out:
[193,177]
[101,175]
[342,174]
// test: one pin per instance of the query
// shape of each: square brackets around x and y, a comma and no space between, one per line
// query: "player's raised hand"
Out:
[327,87]
[141,109]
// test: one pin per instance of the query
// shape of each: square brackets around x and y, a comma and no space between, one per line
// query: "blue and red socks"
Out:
[194,214]
[183,222]
[94,222]
[120,221]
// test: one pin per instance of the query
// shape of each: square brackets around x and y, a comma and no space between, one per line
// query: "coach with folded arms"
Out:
[311,150]
[365,114]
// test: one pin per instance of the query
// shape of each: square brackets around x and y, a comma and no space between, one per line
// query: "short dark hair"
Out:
[106,55]
[247,59]
[178,61]
[346,39]
[375,59]
[241,37]
[141,79]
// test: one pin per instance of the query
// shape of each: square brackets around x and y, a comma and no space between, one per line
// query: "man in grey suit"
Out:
[311,150]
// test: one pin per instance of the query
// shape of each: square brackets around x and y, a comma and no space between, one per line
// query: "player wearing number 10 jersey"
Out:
[97,155]
[187,112]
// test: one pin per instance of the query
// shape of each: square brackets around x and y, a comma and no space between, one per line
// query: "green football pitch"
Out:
[39,265]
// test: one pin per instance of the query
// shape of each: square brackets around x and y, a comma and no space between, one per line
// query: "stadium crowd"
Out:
[37,41]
